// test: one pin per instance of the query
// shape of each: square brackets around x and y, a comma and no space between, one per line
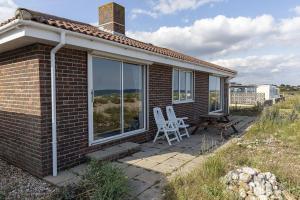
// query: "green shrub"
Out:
[105,182]
[2,196]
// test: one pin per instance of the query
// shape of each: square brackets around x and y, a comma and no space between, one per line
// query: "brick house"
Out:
[68,88]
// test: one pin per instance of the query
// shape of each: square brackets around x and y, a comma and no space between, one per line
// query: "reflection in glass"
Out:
[175,85]
[189,85]
[107,98]
[182,85]
[133,94]
[214,93]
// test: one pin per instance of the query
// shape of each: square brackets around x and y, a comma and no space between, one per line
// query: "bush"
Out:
[2,196]
[105,182]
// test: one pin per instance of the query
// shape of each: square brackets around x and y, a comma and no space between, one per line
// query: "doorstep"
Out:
[73,175]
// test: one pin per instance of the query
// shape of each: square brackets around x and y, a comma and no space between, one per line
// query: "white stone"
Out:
[269,189]
[234,176]
[245,177]
[268,175]
[259,190]
[242,193]
[262,197]
[249,170]
[251,185]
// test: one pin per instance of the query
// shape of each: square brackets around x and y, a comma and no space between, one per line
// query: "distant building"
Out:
[251,93]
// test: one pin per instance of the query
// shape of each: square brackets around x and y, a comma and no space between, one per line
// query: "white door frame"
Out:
[90,104]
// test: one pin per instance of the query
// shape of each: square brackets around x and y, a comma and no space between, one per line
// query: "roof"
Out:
[90,30]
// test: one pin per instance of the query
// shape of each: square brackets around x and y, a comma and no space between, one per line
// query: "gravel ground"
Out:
[18,184]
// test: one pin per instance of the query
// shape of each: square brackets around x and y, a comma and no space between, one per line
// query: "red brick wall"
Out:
[20,109]
[25,118]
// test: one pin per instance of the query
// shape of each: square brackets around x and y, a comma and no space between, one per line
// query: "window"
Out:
[183,85]
[118,90]
[215,100]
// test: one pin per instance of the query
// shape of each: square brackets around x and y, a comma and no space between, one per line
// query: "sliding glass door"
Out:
[118,98]
[215,100]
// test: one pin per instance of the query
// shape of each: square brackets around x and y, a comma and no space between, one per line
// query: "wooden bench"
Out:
[224,126]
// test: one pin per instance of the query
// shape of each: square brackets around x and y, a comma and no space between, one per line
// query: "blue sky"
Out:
[259,38]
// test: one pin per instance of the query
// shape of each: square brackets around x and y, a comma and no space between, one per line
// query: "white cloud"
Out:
[172,6]
[212,35]
[273,69]
[296,10]
[7,9]
[222,35]
[136,12]
[166,7]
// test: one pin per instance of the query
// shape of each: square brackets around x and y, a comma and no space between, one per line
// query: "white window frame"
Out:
[192,89]
[92,141]
[221,96]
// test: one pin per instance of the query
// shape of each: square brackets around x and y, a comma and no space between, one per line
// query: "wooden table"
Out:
[219,118]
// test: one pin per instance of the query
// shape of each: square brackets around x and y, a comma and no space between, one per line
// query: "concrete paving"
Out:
[151,168]
[156,163]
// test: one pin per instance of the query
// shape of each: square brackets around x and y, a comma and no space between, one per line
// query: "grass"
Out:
[271,144]
[246,110]
[103,181]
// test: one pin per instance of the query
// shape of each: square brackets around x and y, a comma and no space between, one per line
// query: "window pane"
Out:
[189,85]
[182,85]
[107,98]
[133,84]
[175,85]
[214,93]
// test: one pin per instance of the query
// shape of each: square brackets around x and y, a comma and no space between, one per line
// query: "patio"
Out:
[149,169]
[156,163]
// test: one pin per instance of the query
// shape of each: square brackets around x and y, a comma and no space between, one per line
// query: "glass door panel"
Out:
[133,97]
[106,98]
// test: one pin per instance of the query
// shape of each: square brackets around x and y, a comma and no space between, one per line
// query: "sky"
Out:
[258,38]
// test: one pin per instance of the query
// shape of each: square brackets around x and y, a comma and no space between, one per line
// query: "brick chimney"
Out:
[112,18]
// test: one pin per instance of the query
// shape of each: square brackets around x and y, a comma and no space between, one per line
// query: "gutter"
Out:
[9,26]
[53,101]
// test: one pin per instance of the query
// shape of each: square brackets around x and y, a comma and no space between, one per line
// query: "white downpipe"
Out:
[53,101]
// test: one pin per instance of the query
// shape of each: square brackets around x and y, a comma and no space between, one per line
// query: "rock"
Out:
[234,176]
[263,197]
[249,170]
[242,193]
[269,189]
[259,190]
[268,175]
[251,184]
[245,177]
[250,198]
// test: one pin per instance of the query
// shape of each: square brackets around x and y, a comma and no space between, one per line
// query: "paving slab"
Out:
[129,160]
[176,163]
[146,164]
[133,171]
[159,158]
[184,156]
[150,177]
[115,152]
[136,187]
[80,169]
[164,168]
[63,178]
[151,194]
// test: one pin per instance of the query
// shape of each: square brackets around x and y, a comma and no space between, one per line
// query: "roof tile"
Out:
[88,29]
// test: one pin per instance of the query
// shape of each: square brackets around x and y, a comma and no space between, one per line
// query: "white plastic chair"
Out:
[179,122]
[165,127]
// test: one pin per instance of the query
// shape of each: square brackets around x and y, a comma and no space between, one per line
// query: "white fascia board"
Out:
[11,35]
[50,33]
